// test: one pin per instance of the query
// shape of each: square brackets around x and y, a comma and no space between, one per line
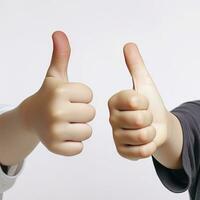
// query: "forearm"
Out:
[169,154]
[16,141]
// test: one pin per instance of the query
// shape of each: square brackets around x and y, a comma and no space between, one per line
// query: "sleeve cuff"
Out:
[9,176]
[8,179]
[177,180]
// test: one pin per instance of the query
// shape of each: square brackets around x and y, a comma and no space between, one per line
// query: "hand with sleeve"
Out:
[59,112]
[141,124]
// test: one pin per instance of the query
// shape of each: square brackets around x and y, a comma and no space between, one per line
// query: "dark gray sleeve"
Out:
[182,179]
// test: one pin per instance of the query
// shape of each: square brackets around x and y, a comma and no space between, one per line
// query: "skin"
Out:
[141,124]
[57,114]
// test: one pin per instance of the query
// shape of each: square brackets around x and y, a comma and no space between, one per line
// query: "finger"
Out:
[136,66]
[135,137]
[128,100]
[137,152]
[79,113]
[76,132]
[131,119]
[60,56]
[67,148]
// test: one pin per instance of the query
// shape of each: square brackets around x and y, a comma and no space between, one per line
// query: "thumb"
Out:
[60,56]
[136,66]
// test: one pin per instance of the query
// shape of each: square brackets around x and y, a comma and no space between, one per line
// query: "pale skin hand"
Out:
[141,124]
[57,115]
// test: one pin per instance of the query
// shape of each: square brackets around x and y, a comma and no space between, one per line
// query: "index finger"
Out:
[128,100]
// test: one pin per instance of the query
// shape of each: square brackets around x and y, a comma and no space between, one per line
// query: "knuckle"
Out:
[112,120]
[143,152]
[130,137]
[55,114]
[144,136]
[58,90]
[134,101]
[125,119]
[139,120]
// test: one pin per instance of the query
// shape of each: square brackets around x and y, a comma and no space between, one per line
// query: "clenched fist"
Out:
[59,112]
[138,116]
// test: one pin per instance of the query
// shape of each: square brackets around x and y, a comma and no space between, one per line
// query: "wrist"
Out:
[173,126]
[25,114]
[169,154]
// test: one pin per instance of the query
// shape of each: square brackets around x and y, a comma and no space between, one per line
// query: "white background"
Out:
[167,33]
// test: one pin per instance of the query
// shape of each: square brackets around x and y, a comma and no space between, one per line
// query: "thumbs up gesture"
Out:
[138,116]
[59,112]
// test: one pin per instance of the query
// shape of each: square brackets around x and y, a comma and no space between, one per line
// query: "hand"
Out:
[59,112]
[138,116]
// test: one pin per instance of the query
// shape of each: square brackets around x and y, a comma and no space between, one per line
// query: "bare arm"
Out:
[57,114]
[169,154]
[142,126]
[16,141]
